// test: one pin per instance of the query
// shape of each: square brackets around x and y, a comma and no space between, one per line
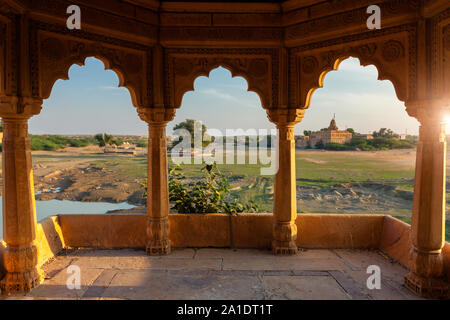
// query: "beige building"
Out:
[331,135]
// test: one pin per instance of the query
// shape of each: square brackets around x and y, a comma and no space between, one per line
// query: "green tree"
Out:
[192,126]
[385,133]
[351,131]
[104,139]
[307,133]
[320,145]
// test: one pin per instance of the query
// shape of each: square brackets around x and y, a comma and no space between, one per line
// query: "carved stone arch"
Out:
[394,56]
[257,66]
[58,53]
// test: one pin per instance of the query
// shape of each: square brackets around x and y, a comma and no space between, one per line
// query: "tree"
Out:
[351,131]
[307,133]
[385,133]
[104,139]
[320,145]
[192,126]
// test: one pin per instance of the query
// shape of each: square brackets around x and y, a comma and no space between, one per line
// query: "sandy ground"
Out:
[71,175]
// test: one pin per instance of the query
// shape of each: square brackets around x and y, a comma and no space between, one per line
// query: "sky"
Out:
[91,102]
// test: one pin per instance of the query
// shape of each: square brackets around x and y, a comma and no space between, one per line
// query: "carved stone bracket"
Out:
[156,116]
[433,110]
[19,107]
[258,66]
[285,117]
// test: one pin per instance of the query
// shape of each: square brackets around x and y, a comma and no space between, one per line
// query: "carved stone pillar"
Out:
[158,242]
[19,212]
[285,200]
[428,216]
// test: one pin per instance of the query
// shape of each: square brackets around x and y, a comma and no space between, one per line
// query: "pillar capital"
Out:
[428,110]
[156,116]
[14,107]
[285,117]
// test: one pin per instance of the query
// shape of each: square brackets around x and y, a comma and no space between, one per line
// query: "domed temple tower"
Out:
[331,135]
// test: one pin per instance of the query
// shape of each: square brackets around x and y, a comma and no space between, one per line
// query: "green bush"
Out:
[54,142]
[369,145]
[212,194]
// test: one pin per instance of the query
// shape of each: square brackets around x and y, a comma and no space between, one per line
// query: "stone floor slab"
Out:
[227,274]
[303,288]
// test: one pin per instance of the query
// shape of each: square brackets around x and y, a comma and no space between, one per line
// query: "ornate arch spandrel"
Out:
[259,67]
[9,52]
[393,55]
[440,43]
[3,62]
[57,53]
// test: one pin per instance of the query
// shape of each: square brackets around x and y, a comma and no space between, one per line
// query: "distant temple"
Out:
[331,135]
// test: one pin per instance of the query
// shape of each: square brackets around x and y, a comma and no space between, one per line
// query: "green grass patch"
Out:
[55,142]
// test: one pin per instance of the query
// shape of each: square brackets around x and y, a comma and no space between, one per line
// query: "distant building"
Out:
[124,148]
[363,136]
[301,141]
[331,135]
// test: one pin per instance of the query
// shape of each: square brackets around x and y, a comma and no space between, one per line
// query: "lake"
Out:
[48,208]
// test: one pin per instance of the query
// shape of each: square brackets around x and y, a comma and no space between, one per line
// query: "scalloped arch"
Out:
[255,68]
[381,76]
[234,74]
[389,58]
[57,56]
[49,86]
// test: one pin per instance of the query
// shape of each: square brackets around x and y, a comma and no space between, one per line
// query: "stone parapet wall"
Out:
[365,231]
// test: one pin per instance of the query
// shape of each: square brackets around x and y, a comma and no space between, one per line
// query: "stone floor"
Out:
[221,274]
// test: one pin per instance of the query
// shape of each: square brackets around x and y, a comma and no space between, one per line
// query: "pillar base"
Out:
[431,288]
[21,282]
[158,242]
[284,248]
[284,236]
[22,272]
[158,248]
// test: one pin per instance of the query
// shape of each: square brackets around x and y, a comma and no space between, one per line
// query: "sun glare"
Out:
[447,124]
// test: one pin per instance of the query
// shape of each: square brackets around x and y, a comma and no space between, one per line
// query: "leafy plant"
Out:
[104,139]
[211,194]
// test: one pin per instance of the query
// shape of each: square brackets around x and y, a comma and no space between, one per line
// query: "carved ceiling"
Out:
[283,49]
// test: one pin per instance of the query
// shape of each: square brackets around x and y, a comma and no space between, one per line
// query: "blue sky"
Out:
[91,102]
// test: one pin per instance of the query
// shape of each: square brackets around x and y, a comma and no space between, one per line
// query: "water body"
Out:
[49,208]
